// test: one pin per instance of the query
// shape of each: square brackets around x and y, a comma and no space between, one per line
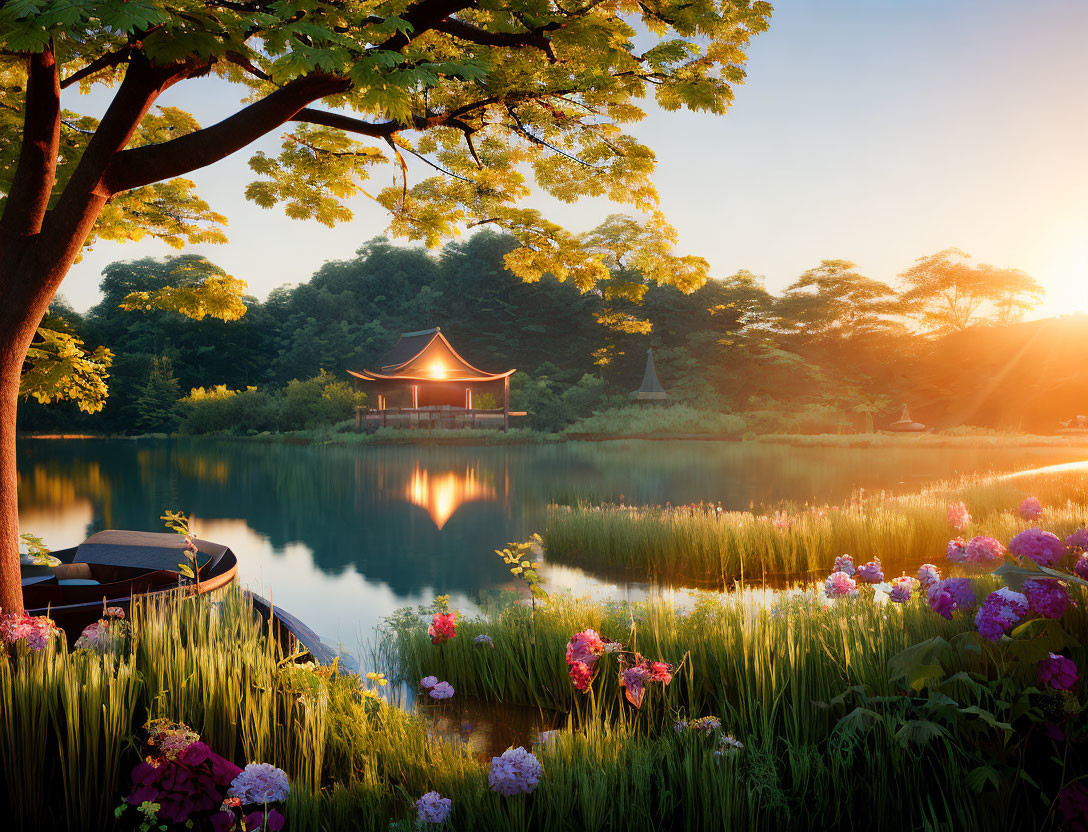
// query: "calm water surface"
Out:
[341,537]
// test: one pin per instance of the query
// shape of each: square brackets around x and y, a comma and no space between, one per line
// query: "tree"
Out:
[158,400]
[835,301]
[947,293]
[483,93]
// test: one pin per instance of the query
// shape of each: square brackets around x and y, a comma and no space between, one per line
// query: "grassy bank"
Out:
[701,546]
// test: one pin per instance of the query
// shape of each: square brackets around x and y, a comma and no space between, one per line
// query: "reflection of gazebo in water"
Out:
[424,382]
[651,389]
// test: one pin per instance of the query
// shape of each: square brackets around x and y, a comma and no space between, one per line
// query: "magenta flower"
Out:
[844,563]
[871,572]
[839,585]
[1078,540]
[443,627]
[1072,805]
[1042,547]
[1047,597]
[1080,568]
[1031,509]
[581,674]
[928,574]
[958,516]
[949,596]
[957,550]
[517,771]
[433,808]
[1000,612]
[983,550]
[443,690]
[1058,672]
[36,631]
[585,646]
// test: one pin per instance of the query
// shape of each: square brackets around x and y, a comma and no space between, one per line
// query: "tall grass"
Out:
[700,547]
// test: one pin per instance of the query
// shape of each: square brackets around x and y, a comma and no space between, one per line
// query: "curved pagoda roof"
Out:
[426,356]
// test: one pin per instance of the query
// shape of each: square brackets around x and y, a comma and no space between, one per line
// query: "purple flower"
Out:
[517,771]
[949,596]
[443,690]
[1042,547]
[839,584]
[483,639]
[1080,568]
[957,549]
[1072,803]
[1058,672]
[871,572]
[433,808]
[928,574]
[1078,540]
[1000,612]
[260,783]
[983,549]
[1047,597]
[901,589]
[1031,509]
[844,563]
[428,682]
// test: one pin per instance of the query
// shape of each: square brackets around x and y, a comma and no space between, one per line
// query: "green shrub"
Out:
[673,419]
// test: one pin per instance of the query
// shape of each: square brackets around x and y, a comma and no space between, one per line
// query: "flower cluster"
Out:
[186,787]
[167,740]
[957,550]
[901,589]
[1044,548]
[1072,805]
[839,584]
[443,690]
[433,808]
[702,725]
[983,550]
[871,572]
[728,745]
[1000,612]
[1058,672]
[107,635]
[260,783]
[634,679]
[949,596]
[1080,568]
[1078,540]
[443,627]
[958,516]
[517,771]
[844,563]
[483,639]
[1047,597]
[36,631]
[1031,509]
[583,650]
[928,574]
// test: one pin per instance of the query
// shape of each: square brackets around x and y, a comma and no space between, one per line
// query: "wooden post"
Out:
[506,405]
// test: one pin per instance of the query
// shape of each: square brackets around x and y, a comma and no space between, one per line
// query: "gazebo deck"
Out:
[429,418]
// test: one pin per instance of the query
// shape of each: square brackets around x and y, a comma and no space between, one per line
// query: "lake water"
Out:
[342,536]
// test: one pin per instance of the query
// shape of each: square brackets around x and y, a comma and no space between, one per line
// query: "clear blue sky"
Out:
[871,130]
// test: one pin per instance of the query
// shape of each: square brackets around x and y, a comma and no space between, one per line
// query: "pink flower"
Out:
[1058,672]
[443,627]
[1078,540]
[517,771]
[260,783]
[443,690]
[36,631]
[633,680]
[433,808]
[1080,568]
[660,672]
[928,574]
[1031,509]
[871,572]
[839,584]
[957,550]
[1047,597]
[1042,547]
[844,563]
[585,646]
[958,516]
[983,550]
[1000,612]
[581,674]
[428,682]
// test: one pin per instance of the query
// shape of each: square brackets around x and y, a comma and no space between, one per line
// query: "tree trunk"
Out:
[11,590]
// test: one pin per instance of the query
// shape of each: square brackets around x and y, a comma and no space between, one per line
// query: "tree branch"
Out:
[110,59]
[473,34]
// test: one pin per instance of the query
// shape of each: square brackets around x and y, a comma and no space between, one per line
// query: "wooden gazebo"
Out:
[424,382]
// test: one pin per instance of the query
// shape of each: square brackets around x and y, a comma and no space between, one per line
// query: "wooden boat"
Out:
[111,567]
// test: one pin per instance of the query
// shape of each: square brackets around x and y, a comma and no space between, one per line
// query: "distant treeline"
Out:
[833,350]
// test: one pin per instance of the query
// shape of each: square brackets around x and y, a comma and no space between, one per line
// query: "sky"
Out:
[876,131]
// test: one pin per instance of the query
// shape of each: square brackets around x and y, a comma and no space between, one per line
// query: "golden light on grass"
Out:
[442,494]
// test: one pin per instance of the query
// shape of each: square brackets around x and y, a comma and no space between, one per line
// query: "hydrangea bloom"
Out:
[1000,612]
[443,627]
[581,674]
[443,690]
[983,550]
[901,589]
[957,550]
[1080,568]
[482,639]
[517,771]
[1078,540]
[839,584]
[1058,672]
[928,574]
[1031,509]
[433,808]
[949,596]
[1042,547]
[260,783]
[585,646]
[1047,597]
[428,682]
[36,631]
[844,563]
[871,572]
[958,516]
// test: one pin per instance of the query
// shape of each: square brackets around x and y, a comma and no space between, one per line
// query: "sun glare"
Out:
[437,370]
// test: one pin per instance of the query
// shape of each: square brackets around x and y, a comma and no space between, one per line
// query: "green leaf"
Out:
[977,778]
[919,731]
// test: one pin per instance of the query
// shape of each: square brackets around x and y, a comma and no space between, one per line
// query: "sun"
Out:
[1064,275]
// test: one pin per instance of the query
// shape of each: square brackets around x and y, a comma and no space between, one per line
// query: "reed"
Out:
[702,547]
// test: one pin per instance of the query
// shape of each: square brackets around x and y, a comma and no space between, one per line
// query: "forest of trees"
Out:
[833,347]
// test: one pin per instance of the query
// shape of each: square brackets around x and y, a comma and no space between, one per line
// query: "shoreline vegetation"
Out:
[706,546]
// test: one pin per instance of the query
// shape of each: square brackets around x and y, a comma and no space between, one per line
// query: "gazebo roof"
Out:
[426,356]
[651,386]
